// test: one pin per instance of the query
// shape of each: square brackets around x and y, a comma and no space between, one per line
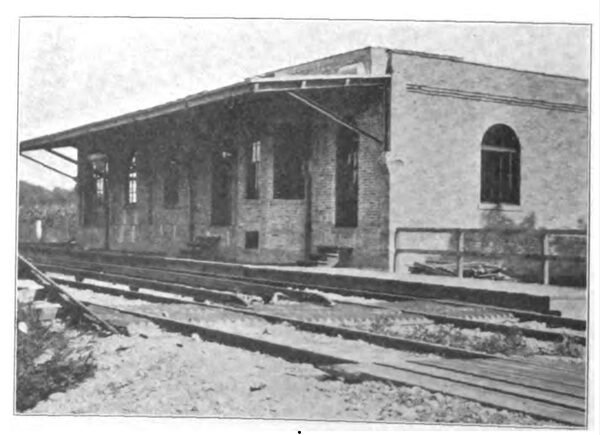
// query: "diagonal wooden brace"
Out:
[323,111]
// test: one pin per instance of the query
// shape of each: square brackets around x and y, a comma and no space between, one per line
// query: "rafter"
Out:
[49,167]
[329,114]
[62,156]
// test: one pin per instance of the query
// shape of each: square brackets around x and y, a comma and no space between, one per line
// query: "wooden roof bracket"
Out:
[49,167]
[61,155]
[329,114]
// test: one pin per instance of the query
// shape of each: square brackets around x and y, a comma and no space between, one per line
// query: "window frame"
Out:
[171,185]
[96,190]
[253,171]
[131,186]
[347,147]
[252,240]
[500,167]
[287,152]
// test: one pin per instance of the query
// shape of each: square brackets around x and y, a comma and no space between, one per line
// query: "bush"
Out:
[47,361]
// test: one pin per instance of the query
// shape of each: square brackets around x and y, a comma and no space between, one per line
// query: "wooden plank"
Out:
[497,255]
[540,372]
[280,350]
[491,384]
[66,298]
[209,282]
[322,110]
[376,372]
[58,171]
[128,294]
[469,392]
[351,334]
[513,377]
[230,270]
[148,283]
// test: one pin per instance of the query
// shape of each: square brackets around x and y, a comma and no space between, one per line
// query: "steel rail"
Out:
[550,320]
[348,333]
[195,292]
[540,334]
[503,395]
[215,284]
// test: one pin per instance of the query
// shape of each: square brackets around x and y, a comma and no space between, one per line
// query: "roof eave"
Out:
[250,86]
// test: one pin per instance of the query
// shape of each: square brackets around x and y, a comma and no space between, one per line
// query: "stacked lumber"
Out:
[473,269]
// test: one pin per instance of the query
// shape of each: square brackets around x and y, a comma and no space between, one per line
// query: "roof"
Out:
[296,77]
[256,85]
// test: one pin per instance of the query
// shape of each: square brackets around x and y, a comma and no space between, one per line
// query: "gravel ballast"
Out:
[168,374]
[153,372]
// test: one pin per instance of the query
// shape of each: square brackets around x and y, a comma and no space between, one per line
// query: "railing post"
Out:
[545,260]
[460,244]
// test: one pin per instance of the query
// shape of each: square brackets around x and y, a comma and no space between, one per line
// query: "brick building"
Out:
[334,154]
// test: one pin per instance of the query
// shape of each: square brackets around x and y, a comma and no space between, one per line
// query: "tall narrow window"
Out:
[346,178]
[100,175]
[288,170]
[252,172]
[95,189]
[500,166]
[99,185]
[132,179]
[222,178]
[171,185]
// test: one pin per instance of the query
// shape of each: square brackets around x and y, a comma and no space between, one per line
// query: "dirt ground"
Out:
[152,372]
[168,374]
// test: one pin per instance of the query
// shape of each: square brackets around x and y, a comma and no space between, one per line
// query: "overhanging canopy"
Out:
[250,86]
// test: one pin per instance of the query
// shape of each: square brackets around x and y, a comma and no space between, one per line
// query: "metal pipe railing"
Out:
[459,250]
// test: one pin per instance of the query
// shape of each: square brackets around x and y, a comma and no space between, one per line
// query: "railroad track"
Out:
[235,272]
[504,383]
[233,289]
[509,383]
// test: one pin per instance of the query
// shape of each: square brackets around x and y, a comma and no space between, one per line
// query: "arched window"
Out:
[132,179]
[500,166]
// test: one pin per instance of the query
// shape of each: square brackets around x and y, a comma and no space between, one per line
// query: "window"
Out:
[132,175]
[171,185]
[346,178]
[500,166]
[251,240]
[252,172]
[288,171]
[95,189]
[222,177]
[100,175]
[99,182]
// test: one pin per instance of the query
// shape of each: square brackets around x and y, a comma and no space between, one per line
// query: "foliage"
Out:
[46,361]
[31,194]
[57,209]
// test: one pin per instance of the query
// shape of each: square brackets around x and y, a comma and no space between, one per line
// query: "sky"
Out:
[75,71]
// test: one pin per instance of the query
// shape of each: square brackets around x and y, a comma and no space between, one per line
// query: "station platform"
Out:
[569,301]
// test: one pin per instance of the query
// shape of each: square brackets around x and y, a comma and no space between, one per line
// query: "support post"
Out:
[460,246]
[545,244]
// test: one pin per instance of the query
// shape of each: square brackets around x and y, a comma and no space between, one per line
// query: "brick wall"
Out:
[368,60]
[150,226]
[434,161]
[369,238]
